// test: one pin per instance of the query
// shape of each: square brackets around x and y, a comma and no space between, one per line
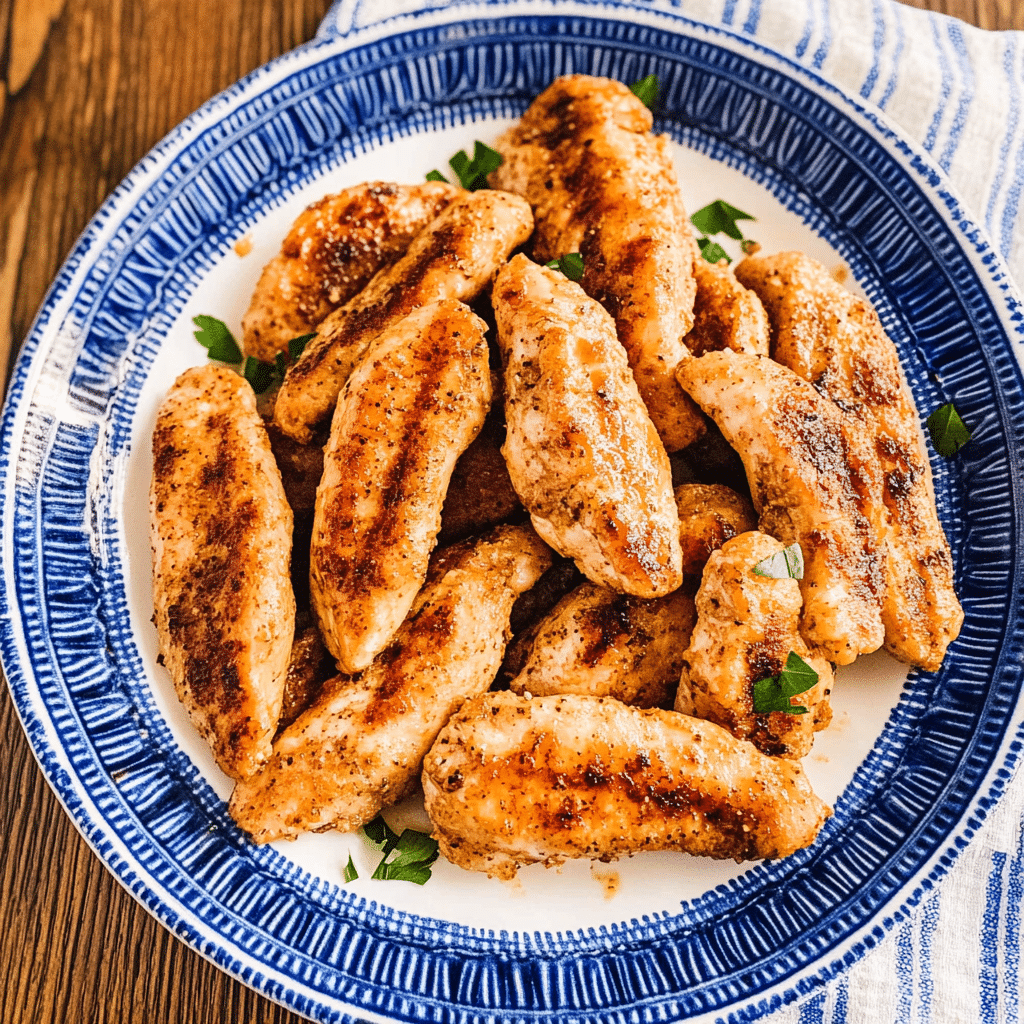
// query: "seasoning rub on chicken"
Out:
[512,781]
[221,533]
[361,745]
[452,258]
[405,416]
[583,455]
[602,185]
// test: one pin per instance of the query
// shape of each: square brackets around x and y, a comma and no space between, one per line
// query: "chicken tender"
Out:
[361,746]
[605,644]
[602,185]
[406,414]
[332,250]
[725,314]
[454,257]
[583,455]
[747,625]
[512,781]
[835,340]
[814,480]
[221,533]
[709,515]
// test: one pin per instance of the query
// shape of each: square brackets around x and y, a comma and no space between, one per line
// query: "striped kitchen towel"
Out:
[958,92]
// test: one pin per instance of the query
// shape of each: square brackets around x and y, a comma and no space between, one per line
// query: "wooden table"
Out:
[89,87]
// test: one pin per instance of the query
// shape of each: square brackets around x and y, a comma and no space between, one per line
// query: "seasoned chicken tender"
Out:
[709,515]
[332,250]
[602,185]
[454,257]
[814,480]
[512,781]
[747,625]
[406,414]
[583,455]
[835,340]
[360,747]
[605,644]
[725,313]
[221,533]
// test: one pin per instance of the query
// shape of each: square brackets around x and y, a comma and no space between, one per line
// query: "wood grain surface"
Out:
[86,89]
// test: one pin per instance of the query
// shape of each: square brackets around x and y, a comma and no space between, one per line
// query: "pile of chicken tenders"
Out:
[448,551]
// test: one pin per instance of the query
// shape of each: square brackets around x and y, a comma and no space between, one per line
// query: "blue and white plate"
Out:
[912,763]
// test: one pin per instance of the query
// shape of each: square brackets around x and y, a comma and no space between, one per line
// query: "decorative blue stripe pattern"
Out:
[944,89]
[901,39]
[963,107]
[761,941]
[990,942]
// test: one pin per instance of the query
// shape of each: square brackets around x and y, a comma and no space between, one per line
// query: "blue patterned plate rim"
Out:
[81,780]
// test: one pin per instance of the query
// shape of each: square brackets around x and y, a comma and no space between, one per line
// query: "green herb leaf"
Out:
[719,216]
[785,564]
[214,336]
[260,375]
[414,853]
[472,174]
[298,345]
[712,251]
[571,264]
[350,874]
[750,247]
[436,176]
[949,432]
[380,834]
[774,693]
[646,90]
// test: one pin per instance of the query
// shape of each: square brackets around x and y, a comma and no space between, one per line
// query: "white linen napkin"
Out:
[959,92]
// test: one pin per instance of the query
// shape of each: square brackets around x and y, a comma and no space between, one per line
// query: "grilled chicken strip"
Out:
[454,257]
[361,746]
[583,455]
[747,625]
[512,781]
[605,644]
[602,185]
[332,250]
[709,515]
[725,313]
[405,416]
[221,533]
[835,340]
[814,480]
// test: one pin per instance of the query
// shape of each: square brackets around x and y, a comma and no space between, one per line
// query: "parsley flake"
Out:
[436,175]
[260,375]
[719,216]
[414,852]
[214,336]
[774,692]
[646,90]
[949,432]
[298,345]
[712,251]
[785,564]
[350,874]
[571,264]
[472,174]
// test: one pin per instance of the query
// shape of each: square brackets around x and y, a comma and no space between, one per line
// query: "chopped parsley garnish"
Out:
[214,336]
[472,174]
[414,852]
[949,432]
[774,693]
[298,345]
[719,216]
[785,564]
[571,264]
[646,90]
[712,251]
[260,375]
[350,874]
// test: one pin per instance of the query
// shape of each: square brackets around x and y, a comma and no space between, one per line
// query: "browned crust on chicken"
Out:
[583,455]
[405,416]
[747,625]
[605,644]
[333,249]
[709,515]
[512,781]
[814,480]
[220,530]
[835,340]
[309,667]
[602,185]
[360,747]
[454,257]
[725,313]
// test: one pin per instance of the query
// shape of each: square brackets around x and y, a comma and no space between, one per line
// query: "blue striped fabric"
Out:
[957,92]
